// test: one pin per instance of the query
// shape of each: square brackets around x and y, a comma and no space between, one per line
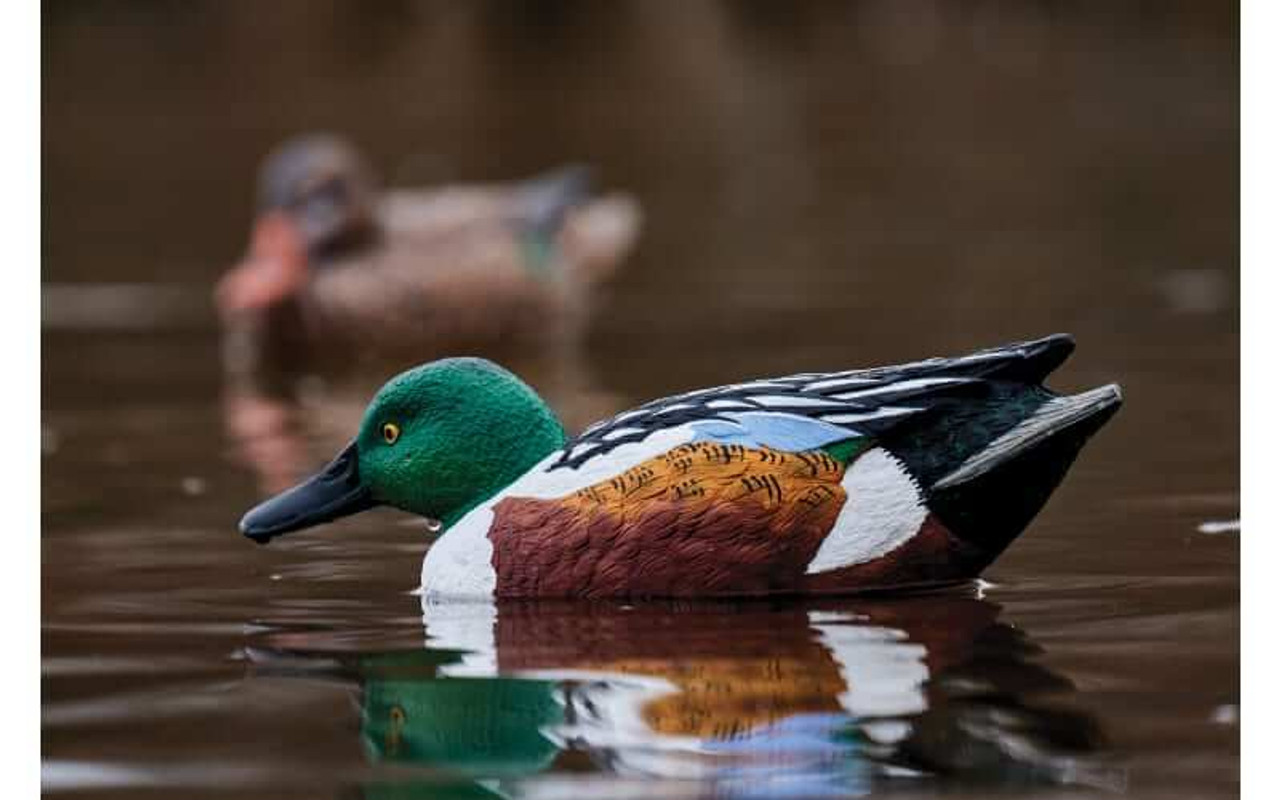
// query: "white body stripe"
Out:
[883,510]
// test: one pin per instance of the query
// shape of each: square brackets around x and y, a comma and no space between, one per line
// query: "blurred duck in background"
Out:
[338,272]
[342,278]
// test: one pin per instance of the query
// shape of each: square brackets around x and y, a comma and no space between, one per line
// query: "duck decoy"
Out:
[813,483]
[336,267]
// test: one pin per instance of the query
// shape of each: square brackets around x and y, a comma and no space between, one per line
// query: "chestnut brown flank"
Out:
[702,519]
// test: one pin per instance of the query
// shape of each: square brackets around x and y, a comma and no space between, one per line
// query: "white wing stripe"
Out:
[754,386]
[900,386]
[618,433]
[879,413]
[728,404]
[780,401]
[836,383]
[675,408]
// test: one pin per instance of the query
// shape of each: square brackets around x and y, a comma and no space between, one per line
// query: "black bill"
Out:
[334,493]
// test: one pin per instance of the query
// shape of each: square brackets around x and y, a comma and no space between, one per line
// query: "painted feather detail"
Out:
[807,410]
[709,473]
[885,510]
[708,518]
[701,518]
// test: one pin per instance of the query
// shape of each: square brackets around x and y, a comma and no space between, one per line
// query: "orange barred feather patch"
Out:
[701,518]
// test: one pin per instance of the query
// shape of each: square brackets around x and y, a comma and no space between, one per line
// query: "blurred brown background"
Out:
[1052,167]
[824,184]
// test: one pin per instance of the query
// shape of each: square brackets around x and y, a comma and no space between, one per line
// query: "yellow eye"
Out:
[394,730]
[390,432]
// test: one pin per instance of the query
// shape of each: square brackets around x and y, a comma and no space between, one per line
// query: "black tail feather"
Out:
[1023,362]
[989,508]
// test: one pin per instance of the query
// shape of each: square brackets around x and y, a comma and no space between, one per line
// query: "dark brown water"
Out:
[825,187]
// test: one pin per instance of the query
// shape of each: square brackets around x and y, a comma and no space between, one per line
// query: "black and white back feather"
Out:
[869,402]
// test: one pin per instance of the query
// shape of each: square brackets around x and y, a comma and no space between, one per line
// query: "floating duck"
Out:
[336,267]
[808,484]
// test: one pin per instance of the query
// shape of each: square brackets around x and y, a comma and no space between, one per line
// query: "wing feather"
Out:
[793,412]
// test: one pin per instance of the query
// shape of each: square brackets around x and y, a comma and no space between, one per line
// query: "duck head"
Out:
[436,441]
[324,187]
[316,199]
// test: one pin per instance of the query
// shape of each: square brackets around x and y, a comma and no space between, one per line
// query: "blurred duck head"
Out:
[323,186]
[315,199]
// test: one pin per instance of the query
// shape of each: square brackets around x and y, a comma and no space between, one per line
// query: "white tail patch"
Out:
[883,510]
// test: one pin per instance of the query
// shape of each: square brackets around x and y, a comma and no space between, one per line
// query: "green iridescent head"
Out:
[436,440]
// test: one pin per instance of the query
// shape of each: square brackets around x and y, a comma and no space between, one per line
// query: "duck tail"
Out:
[601,235]
[1054,418]
[1027,362]
[566,228]
[993,494]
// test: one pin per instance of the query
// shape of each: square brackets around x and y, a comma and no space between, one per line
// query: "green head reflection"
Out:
[490,726]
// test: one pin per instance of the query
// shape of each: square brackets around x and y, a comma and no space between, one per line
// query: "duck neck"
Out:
[506,459]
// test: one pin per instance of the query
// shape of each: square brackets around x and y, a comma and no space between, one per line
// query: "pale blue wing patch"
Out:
[776,430]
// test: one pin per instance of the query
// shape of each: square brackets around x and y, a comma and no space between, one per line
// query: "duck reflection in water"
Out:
[758,699]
